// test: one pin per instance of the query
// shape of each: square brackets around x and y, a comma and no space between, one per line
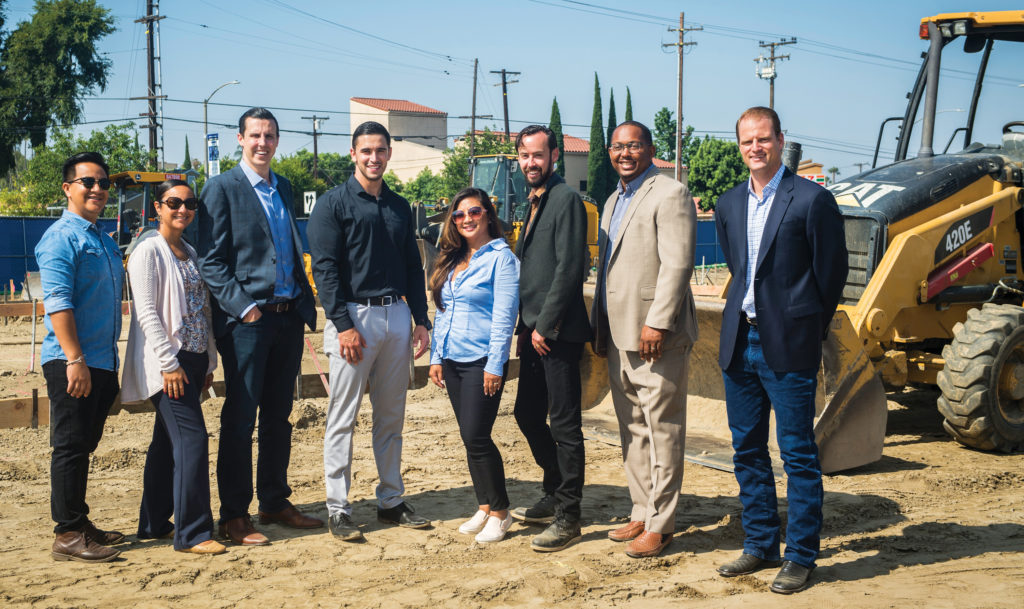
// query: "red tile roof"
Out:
[661,164]
[396,105]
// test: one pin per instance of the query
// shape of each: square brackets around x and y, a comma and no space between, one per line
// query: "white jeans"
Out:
[385,368]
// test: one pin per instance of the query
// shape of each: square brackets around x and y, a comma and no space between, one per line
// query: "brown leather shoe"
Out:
[209,547]
[76,545]
[648,544]
[627,532]
[291,517]
[104,538]
[241,531]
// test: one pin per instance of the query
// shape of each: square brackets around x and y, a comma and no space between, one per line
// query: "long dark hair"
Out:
[453,246]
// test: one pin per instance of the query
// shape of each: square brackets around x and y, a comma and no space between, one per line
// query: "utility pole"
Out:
[472,119]
[680,47]
[316,125]
[151,19]
[767,72]
[860,166]
[504,94]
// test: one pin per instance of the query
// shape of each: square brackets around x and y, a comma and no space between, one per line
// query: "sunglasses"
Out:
[174,203]
[474,213]
[90,182]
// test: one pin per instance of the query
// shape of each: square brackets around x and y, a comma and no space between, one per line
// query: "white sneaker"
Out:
[474,524]
[495,529]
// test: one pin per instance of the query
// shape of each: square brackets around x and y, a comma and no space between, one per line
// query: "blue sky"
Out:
[851,67]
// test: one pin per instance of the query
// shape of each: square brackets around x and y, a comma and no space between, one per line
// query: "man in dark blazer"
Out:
[552,329]
[251,258]
[784,243]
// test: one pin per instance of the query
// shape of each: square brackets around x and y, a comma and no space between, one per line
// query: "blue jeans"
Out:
[751,390]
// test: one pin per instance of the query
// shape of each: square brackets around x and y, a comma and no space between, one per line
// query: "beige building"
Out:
[419,134]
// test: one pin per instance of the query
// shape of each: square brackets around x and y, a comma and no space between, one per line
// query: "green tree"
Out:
[690,145]
[187,163]
[39,185]
[834,171]
[47,65]
[298,172]
[597,182]
[424,188]
[664,135]
[556,127]
[455,174]
[715,168]
[610,176]
[629,106]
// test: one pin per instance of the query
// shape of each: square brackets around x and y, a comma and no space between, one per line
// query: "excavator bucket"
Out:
[851,406]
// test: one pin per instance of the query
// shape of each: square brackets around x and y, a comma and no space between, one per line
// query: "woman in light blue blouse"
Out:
[475,285]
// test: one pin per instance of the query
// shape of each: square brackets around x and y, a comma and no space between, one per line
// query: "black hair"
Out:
[162,188]
[83,157]
[535,129]
[260,114]
[644,131]
[371,128]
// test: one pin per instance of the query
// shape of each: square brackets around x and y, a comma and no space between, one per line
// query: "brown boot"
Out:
[104,538]
[77,545]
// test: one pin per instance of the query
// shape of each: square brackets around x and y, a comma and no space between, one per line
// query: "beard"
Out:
[543,179]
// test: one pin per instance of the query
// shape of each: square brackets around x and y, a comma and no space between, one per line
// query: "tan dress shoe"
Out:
[627,532]
[241,531]
[291,517]
[77,545]
[648,544]
[209,547]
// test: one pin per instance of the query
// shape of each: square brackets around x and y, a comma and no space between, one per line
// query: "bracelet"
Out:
[79,360]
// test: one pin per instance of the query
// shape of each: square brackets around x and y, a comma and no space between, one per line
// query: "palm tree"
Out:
[834,171]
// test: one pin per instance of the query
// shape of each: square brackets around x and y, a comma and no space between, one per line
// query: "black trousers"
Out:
[177,475]
[550,386]
[260,360]
[76,426]
[476,413]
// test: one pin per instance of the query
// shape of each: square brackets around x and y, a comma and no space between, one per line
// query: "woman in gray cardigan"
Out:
[170,360]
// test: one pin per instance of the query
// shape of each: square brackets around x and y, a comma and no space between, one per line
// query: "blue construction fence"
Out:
[19,236]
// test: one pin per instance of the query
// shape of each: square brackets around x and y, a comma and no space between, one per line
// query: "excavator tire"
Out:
[982,382]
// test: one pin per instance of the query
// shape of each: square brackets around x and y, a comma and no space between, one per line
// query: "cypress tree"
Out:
[188,157]
[629,106]
[596,176]
[556,126]
[612,177]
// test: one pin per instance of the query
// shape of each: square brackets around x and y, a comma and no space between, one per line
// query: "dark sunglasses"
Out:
[174,203]
[474,213]
[90,182]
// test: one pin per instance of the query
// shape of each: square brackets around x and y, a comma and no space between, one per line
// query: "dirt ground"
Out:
[931,524]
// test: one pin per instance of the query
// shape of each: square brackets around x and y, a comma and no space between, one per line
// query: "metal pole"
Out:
[32,360]
[679,106]
[206,129]
[472,117]
[931,94]
[504,101]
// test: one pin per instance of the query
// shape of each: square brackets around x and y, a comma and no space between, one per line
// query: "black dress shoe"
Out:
[791,578]
[402,515]
[745,565]
[342,527]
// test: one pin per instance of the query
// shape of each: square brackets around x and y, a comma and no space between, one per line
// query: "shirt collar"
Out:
[771,187]
[354,187]
[255,178]
[74,218]
[629,188]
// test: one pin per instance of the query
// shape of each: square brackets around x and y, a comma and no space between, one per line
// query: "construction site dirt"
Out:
[930,524]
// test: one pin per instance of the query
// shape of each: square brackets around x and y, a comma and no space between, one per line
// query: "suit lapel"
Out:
[783,197]
[635,202]
[254,202]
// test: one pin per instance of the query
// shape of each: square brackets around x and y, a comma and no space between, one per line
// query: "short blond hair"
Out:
[760,112]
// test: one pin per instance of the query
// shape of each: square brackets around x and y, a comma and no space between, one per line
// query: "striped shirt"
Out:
[757,217]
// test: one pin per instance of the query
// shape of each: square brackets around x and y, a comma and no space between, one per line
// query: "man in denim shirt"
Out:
[82,278]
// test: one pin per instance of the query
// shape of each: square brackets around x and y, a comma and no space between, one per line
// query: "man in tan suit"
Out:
[644,321]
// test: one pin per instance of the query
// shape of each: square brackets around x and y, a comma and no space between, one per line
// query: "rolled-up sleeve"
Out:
[57,263]
[506,307]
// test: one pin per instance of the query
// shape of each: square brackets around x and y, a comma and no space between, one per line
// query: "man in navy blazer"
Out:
[251,258]
[784,243]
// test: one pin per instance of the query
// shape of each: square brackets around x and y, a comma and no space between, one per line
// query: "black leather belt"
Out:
[278,307]
[751,321]
[377,301]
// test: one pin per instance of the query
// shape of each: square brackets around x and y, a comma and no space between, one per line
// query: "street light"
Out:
[205,127]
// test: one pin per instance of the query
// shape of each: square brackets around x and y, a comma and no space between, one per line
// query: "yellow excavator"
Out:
[936,283]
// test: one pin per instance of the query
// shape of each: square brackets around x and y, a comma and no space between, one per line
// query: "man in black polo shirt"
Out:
[365,260]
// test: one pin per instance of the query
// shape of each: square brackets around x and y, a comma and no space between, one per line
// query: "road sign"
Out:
[308,201]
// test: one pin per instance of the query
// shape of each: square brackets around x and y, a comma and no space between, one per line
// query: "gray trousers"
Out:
[650,404]
[385,368]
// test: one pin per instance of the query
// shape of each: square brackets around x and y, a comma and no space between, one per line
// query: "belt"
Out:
[278,307]
[751,321]
[377,301]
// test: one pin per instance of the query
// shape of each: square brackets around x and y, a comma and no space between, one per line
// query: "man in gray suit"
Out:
[644,321]
[251,259]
